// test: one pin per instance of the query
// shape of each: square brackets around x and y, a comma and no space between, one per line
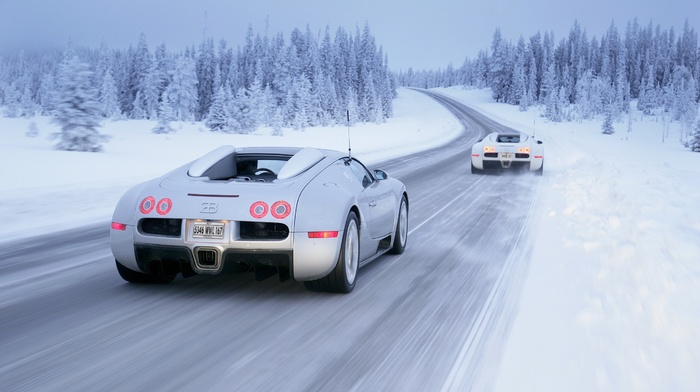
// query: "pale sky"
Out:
[429,34]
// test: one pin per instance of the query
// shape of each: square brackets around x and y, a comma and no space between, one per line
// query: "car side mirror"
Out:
[539,142]
[380,175]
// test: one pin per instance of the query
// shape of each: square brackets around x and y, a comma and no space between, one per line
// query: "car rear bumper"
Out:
[306,258]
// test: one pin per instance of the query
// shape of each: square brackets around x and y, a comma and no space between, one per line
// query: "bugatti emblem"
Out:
[209,208]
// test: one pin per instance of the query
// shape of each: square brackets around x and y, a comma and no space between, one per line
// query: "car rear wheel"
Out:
[540,171]
[342,278]
[139,277]
[401,233]
[476,171]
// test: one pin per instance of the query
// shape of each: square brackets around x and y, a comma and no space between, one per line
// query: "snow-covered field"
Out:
[612,301]
[613,294]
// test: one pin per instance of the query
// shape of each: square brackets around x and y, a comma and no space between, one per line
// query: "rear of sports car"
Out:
[185,224]
[507,151]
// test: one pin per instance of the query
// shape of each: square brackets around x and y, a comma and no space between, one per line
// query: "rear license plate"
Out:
[506,155]
[208,230]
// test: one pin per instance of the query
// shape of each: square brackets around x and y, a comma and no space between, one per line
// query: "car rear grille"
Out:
[521,155]
[161,226]
[263,231]
[491,154]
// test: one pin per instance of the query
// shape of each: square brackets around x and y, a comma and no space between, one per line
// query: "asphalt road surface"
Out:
[434,318]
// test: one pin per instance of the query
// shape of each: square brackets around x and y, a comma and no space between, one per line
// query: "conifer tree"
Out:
[108,98]
[608,122]
[694,142]
[218,111]
[165,116]
[77,111]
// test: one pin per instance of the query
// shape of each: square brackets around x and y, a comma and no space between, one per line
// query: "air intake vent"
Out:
[263,231]
[160,226]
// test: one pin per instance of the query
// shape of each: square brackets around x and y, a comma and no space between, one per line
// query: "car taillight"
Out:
[524,150]
[118,226]
[281,209]
[475,155]
[258,209]
[147,205]
[323,234]
[164,205]
[538,156]
[489,149]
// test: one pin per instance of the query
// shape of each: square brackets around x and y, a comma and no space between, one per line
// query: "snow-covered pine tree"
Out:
[33,131]
[149,90]
[499,72]
[205,69]
[77,111]
[694,142]
[27,106]
[351,110]
[45,93]
[608,122]
[109,99]
[218,111]
[301,102]
[137,108]
[277,122]
[518,89]
[165,116]
[182,90]
[11,101]
[241,118]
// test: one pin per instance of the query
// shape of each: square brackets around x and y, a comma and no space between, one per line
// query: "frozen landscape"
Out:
[611,297]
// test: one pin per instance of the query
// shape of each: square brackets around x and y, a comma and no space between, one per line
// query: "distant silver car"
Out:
[309,214]
[508,150]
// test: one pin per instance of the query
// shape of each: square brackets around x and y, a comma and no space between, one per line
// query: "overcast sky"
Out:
[429,34]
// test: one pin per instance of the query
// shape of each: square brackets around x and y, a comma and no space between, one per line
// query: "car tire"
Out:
[132,276]
[476,171]
[401,232]
[342,278]
[540,171]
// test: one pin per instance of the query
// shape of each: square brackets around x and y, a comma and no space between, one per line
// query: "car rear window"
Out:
[508,139]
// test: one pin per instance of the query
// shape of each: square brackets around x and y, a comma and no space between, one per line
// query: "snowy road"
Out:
[435,318]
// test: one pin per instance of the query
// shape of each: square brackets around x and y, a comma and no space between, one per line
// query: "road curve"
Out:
[434,318]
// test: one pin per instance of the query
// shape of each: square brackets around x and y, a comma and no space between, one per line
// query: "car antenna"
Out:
[347,113]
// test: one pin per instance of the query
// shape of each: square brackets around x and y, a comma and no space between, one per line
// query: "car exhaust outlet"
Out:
[207,259]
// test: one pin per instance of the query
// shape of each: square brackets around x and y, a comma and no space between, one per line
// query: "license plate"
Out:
[208,230]
[506,155]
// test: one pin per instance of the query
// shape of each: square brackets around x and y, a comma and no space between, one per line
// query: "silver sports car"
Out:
[310,214]
[508,150]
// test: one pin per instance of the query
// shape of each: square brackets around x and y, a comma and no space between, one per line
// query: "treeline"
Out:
[578,78]
[308,80]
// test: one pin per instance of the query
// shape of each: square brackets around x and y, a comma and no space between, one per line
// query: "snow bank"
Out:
[612,298]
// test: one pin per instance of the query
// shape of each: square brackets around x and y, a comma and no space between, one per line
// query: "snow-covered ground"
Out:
[612,297]
[612,300]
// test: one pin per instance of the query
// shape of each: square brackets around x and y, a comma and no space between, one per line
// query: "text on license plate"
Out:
[208,230]
[506,155]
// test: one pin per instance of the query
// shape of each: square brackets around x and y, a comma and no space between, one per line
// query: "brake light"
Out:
[118,226]
[323,234]
[524,150]
[475,155]
[164,205]
[538,156]
[258,209]
[281,209]
[147,205]
[489,149]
